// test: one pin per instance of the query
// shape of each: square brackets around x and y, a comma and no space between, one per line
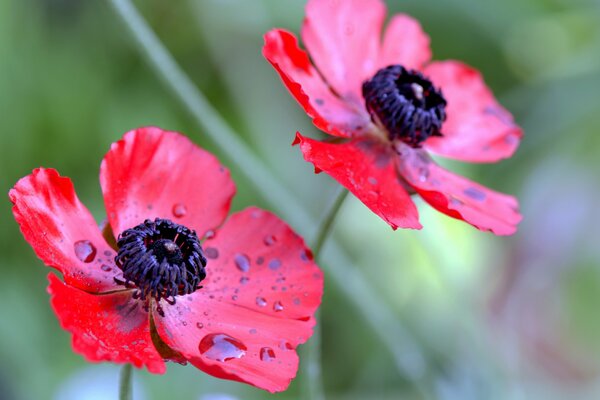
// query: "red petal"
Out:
[478,128]
[458,197]
[404,43]
[152,173]
[62,231]
[368,170]
[110,327]
[261,293]
[329,113]
[343,39]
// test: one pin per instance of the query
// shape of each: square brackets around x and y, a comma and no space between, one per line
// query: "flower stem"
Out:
[407,355]
[311,364]
[125,392]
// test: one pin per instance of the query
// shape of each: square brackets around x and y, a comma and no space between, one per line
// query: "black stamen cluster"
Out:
[406,103]
[161,259]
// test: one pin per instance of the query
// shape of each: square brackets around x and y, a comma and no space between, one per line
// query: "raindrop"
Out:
[306,255]
[277,306]
[261,301]
[106,268]
[107,253]
[242,262]
[85,250]
[475,194]
[260,260]
[211,252]
[267,354]
[296,301]
[179,210]
[269,240]
[244,280]
[221,347]
[199,325]
[184,323]
[210,234]
[252,331]
[372,181]
[274,264]
[283,345]
[234,297]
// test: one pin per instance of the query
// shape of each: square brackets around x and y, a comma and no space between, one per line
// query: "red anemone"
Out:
[346,49]
[261,290]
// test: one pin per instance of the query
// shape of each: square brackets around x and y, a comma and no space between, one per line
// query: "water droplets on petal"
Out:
[277,306]
[274,264]
[179,210]
[261,301]
[267,354]
[211,252]
[221,347]
[85,250]
[242,262]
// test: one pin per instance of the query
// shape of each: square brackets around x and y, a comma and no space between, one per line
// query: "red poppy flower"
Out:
[143,299]
[387,107]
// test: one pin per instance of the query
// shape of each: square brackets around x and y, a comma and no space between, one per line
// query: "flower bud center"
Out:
[161,259]
[405,104]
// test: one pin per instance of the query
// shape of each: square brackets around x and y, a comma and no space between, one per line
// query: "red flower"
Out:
[243,322]
[388,107]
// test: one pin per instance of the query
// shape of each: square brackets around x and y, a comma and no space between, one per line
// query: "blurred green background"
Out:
[495,318]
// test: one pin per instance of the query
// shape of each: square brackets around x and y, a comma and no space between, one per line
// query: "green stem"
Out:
[407,355]
[125,392]
[311,363]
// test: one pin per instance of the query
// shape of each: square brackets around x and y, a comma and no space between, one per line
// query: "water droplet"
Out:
[234,297]
[210,234]
[283,345]
[260,260]
[261,301]
[242,262]
[423,174]
[199,325]
[221,347]
[319,102]
[179,210]
[296,301]
[85,250]
[269,240]
[277,306]
[107,253]
[211,252]
[306,255]
[252,331]
[184,323]
[106,268]
[244,280]
[267,354]
[274,264]
[475,194]
[372,181]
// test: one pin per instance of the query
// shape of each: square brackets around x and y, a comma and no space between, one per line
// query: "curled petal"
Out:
[404,43]
[152,173]
[329,113]
[367,169]
[257,304]
[478,128]
[343,39]
[61,230]
[109,327]
[459,197]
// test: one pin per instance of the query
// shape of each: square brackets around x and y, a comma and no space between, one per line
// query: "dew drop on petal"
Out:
[211,252]
[274,264]
[242,262]
[475,194]
[221,347]
[252,331]
[306,255]
[199,325]
[260,260]
[267,354]
[284,345]
[277,306]
[106,268]
[179,210]
[244,280]
[107,253]
[269,240]
[261,301]
[210,234]
[85,250]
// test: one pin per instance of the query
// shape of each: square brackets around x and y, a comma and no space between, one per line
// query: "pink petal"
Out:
[367,169]
[152,173]
[343,40]
[257,304]
[404,43]
[109,327]
[478,128]
[61,230]
[329,113]
[458,197]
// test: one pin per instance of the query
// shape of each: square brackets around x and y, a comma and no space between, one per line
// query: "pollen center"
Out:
[161,259]
[405,104]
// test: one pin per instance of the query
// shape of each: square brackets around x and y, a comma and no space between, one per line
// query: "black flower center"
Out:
[161,259]
[405,103]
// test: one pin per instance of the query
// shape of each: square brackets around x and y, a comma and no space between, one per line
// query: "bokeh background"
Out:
[492,317]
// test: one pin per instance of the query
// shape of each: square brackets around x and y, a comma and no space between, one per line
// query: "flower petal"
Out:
[404,43]
[459,197]
[256,306]
[343,40]
[61,230]
[109,327]
[478,128]
[152,173]
[367,169]
[329,113]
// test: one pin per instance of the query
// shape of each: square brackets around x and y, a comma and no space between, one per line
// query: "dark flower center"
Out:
[405,103]
[161,259]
